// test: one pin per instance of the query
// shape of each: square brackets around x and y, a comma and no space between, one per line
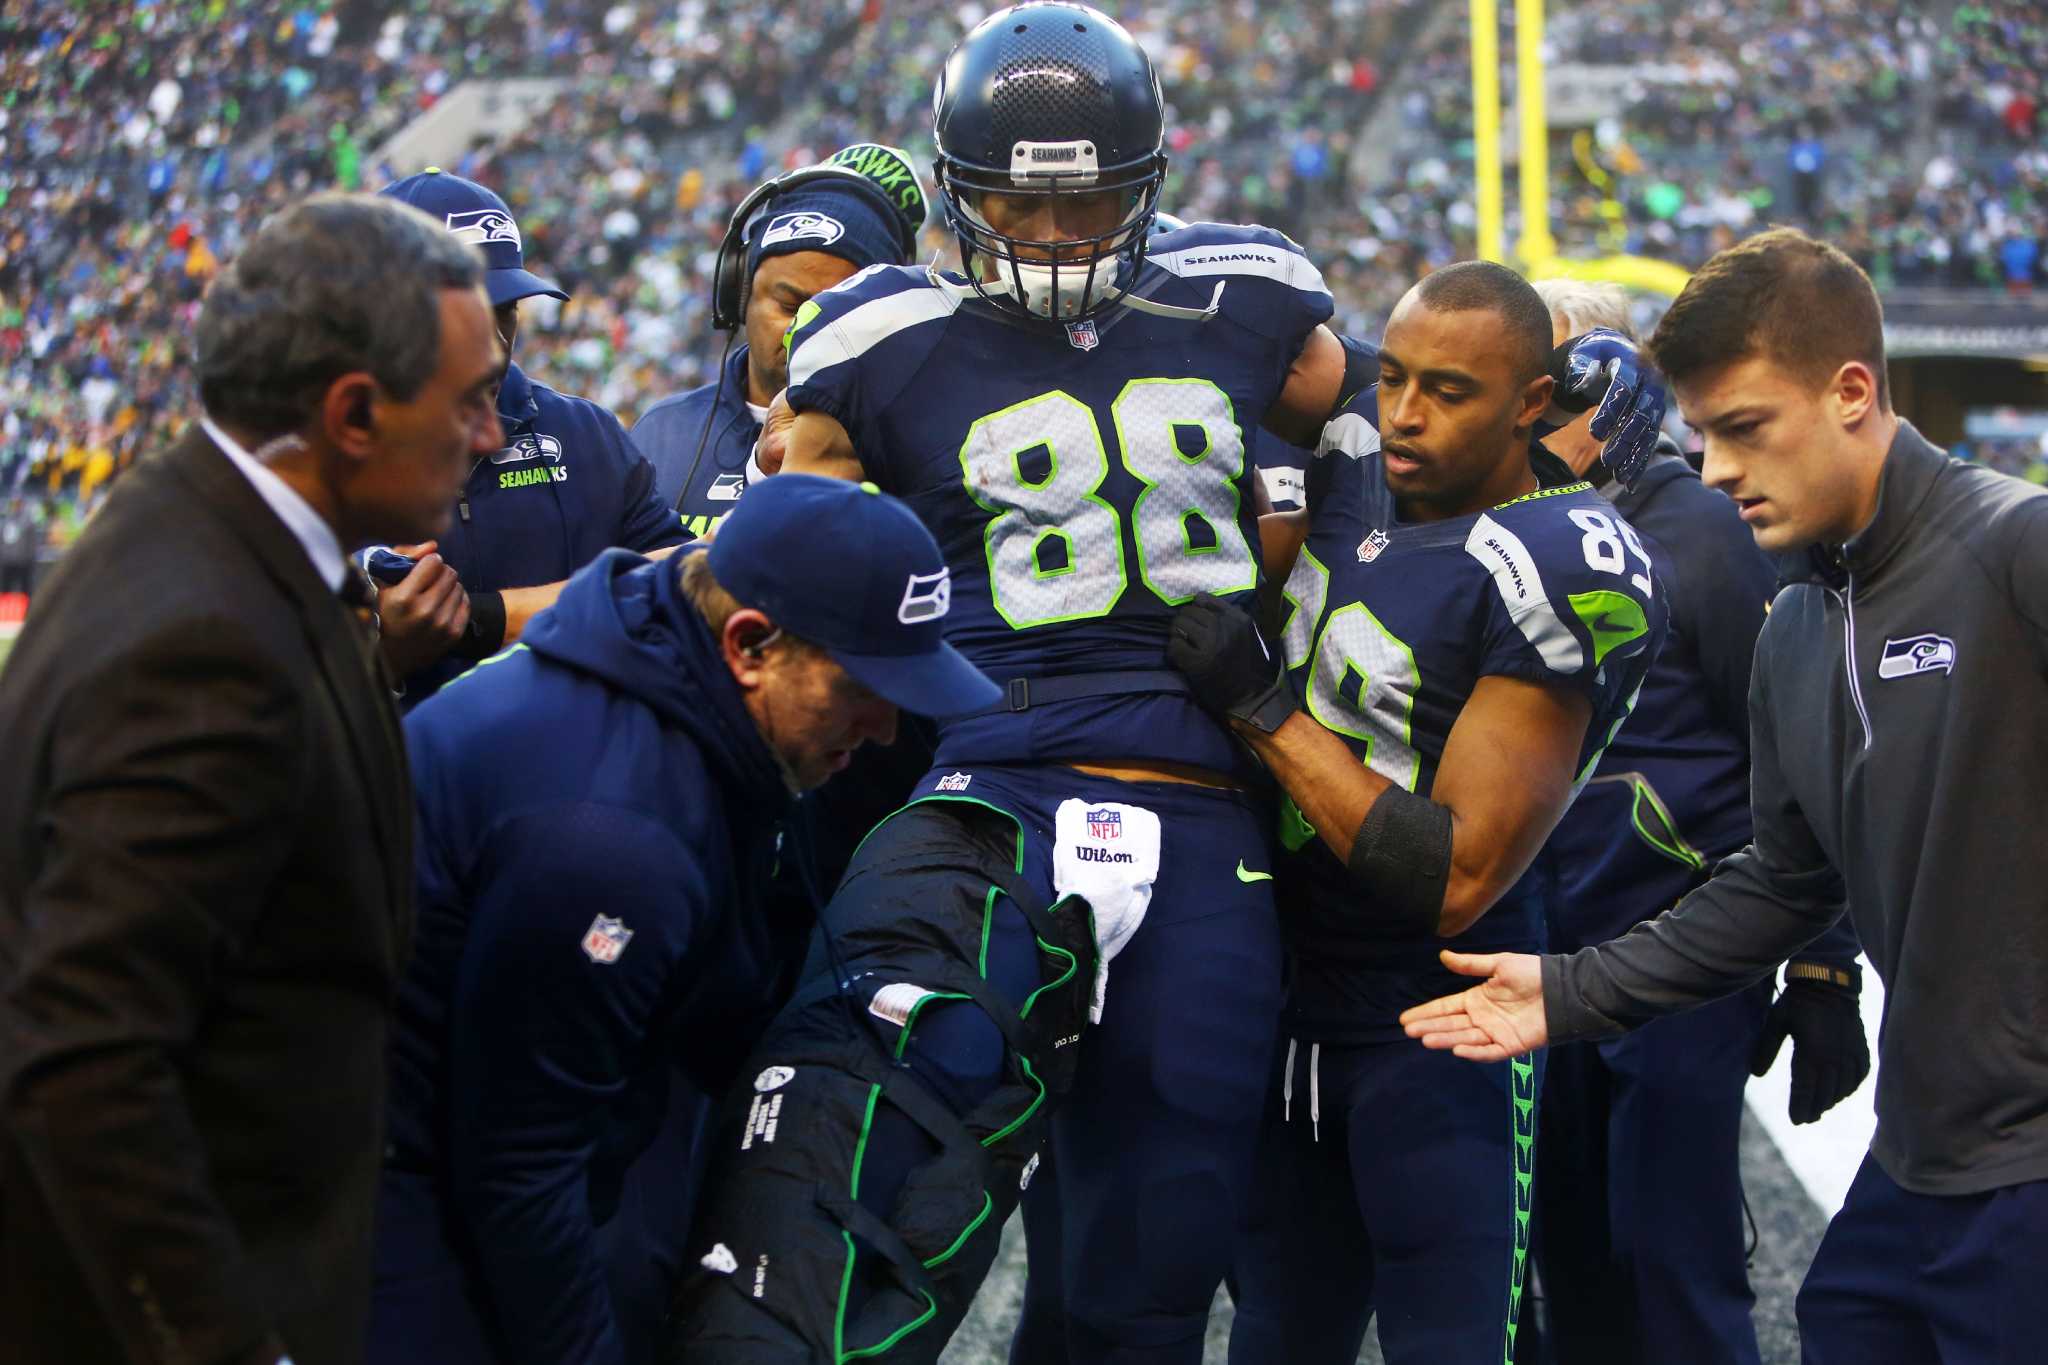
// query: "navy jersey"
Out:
[1390,626]
[1081,479]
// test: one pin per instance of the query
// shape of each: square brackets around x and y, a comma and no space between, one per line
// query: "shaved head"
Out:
[1482,286]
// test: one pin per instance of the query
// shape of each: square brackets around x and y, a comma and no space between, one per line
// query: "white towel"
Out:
[1107,853]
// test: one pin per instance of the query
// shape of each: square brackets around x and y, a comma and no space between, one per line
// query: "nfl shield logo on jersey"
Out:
[605,939]
[1081,335]
[1369,548]
[1105,824]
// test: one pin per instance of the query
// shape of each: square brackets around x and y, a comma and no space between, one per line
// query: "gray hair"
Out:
[335,284]
[1582,305]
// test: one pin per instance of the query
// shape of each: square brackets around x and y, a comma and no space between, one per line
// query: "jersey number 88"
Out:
[1185,522]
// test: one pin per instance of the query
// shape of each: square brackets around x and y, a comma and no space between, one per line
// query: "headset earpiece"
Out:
[729,268]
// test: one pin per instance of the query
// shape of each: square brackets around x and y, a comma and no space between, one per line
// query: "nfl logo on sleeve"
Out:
[605,939]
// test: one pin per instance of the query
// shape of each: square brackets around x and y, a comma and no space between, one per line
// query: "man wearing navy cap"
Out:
[797,242]
[600,808]
[567,485]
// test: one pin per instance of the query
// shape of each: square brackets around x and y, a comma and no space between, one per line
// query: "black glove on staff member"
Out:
[1819,1012]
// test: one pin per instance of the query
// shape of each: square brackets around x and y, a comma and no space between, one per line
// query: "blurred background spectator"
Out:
[142,141]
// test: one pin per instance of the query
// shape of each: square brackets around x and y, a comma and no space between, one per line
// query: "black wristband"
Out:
[1848,979]
[485,634]
[1269,710]
[1401,856]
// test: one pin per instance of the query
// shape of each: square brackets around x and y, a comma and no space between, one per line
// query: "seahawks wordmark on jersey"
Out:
[1391,625]
[1079,487]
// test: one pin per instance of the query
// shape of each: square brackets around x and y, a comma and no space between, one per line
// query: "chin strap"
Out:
[1168,310]
[964,292]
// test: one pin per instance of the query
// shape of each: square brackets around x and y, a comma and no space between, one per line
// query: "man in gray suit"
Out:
[205,823]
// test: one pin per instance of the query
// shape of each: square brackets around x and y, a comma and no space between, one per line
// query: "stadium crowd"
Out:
[1908,140]
[288,823]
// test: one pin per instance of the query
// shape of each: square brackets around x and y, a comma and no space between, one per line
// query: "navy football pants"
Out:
[1154,1144]
[1639,1234]
[1919,1279]
[1395,1179]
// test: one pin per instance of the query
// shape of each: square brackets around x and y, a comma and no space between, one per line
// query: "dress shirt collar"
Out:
[307,525]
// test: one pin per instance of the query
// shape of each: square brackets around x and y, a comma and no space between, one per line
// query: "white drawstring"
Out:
[1315,1097]
[1287,1087]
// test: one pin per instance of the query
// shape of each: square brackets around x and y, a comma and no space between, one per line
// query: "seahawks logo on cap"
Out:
[803,226]
[478,226]
[926,597]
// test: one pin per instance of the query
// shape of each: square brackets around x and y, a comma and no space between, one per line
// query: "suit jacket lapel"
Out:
[354,677]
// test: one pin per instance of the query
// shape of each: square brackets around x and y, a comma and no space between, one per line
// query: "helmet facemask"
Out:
[1060,280]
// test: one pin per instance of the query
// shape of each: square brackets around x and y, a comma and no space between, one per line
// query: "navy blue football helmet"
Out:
[1049,99]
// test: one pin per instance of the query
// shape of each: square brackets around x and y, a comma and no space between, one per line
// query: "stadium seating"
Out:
[141,141]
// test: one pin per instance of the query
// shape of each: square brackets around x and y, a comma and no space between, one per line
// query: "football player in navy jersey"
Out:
[1464,641]
[1070,417]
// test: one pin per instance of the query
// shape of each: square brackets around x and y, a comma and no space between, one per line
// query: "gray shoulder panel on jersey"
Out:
[864,327]
[1350,434]
[1243,258]
[1521,589]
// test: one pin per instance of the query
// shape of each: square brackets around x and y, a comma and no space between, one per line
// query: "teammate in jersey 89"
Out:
[1465,642]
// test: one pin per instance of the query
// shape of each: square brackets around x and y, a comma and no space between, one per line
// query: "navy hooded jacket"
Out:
[669,433]
[568,486]
[1670,798]
[598,819]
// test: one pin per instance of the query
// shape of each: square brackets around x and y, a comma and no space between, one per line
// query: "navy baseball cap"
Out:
[853,571]
[478,217]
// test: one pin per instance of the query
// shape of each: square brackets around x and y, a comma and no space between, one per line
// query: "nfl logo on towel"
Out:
[1105,824]
[1081,335]
[605,939]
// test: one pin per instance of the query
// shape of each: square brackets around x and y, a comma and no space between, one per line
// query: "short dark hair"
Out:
[1483,285]
[333,284]
[1793,299]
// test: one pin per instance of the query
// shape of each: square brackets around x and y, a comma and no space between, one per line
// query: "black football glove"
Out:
[1603,366]
[1228,667]
[1830,1055]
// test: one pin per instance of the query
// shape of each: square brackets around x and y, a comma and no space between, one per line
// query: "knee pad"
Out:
[787,1262]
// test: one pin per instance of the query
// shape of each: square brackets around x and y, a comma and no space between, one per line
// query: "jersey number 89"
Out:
[1056,547]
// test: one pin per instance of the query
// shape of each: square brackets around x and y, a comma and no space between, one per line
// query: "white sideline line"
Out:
[1824,1155]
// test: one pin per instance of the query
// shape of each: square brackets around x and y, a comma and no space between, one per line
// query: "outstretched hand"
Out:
[1499,1018]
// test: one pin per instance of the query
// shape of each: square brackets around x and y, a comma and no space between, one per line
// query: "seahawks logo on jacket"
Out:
[534,445]
[1917,654]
